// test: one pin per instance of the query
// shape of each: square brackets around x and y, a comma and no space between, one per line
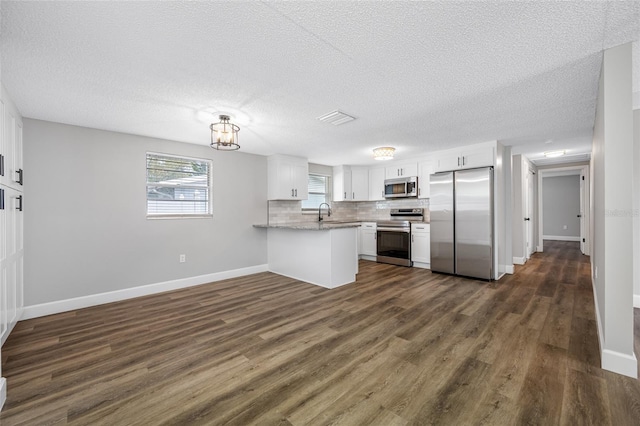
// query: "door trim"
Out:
[580,170]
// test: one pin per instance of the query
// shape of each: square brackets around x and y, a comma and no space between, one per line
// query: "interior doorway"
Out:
[529,213]
[580,212]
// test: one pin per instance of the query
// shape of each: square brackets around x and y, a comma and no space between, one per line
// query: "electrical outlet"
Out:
[183,258]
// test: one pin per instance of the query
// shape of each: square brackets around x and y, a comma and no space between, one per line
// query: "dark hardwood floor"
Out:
[399,346]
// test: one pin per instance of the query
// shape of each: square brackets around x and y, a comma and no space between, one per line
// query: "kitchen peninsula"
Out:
[320,253]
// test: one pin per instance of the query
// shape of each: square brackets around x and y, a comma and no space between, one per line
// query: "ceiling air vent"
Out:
[336,118]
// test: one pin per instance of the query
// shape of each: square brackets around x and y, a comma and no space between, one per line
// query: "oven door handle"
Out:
[382,228]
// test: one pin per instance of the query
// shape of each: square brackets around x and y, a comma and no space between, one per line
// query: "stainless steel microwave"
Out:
[401,187]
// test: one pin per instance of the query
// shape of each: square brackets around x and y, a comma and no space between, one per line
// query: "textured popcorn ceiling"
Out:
[420,76]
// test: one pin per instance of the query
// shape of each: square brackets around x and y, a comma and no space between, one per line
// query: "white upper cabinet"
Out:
[350,183]
[425,169]
[287,178]
[342,183]
[376,183]
[401,170]
[11,173]
[464,158]
[477,157]
[359,183]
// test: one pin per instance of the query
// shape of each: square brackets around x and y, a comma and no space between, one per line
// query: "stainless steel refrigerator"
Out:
[461,208]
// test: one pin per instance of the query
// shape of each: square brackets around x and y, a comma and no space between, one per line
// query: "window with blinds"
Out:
[319,192]
[178,186]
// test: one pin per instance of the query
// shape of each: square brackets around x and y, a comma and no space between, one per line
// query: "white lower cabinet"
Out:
[421,245]
[368,239]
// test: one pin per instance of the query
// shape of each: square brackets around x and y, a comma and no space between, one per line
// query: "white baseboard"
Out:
[636,300]
[421,265]
[505,269]
[519,260]
[58,306]
[306,280]
[598,320]
[620,363]
[617,362]
[3,391]
[560,238]
[367,257]
[539,249]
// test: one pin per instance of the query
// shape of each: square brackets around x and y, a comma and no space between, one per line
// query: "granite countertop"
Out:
[311,226]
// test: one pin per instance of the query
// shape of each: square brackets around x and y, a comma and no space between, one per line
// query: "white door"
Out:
[529,214]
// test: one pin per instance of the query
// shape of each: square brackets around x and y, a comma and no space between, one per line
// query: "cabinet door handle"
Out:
[353,195]
[19,207]
[458,161]
[296,192]
[382,194]
[419,189]
[19,173]
[1,199]
[412,238]
[1,165]
[292,192]
[345,195]
[464,160]
[398,172]
[375,236]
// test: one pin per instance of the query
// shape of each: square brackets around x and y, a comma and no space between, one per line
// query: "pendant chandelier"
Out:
[224,135]
[383,153]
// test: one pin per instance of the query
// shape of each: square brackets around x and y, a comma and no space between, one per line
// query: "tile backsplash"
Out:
[291,211]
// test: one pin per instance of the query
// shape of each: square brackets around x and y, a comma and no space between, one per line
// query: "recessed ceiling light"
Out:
[552,154]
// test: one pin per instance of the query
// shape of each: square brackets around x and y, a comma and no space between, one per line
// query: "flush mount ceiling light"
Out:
[553,154]
[224,135]
[383,153]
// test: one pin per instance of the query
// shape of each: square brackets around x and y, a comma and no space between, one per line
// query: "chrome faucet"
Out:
[320,211]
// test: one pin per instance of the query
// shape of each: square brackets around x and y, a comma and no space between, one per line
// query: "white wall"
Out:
[612,167]
[507,202]
[86,230]
[561,207]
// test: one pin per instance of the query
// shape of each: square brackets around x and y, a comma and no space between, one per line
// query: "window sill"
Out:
[175,216]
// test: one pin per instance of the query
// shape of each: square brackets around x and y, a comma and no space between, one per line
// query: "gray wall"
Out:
[561,206]
[612,173]
[636,208]
[86,230]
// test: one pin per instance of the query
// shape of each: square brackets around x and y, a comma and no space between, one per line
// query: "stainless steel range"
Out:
[394,236]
